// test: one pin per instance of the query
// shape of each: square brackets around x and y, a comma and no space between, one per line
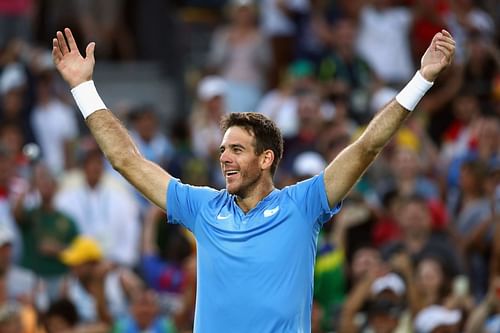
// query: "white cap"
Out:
[434,316]
[6,235]
[308,163]
[390,281]
[210,87]
[13,77]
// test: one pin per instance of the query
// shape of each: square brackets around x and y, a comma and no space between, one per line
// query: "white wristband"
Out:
[413,92]
[87,98]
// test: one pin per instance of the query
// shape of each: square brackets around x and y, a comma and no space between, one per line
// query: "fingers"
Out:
[446,46]
[89,51]
[63,47]
[56,52]
[71,40]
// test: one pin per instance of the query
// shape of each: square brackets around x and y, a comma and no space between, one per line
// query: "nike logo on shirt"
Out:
[271,212]
[223,217]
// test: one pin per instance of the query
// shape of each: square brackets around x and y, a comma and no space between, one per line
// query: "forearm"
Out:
[382,127]
[476,320]
[113,138]
[353,304]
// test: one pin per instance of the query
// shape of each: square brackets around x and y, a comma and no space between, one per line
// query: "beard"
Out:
[248,182]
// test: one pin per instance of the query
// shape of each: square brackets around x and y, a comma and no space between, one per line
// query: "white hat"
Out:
[308,163]
[210,87]
[13,76]
[434,316]
[6,235]
[390,281]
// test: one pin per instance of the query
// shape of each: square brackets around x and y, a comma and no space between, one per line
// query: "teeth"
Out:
[229,173]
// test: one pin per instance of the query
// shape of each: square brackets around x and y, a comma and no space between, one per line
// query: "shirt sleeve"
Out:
[310,196]
[184,202]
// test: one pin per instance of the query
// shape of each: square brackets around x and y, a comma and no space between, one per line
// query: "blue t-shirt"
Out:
[255,270]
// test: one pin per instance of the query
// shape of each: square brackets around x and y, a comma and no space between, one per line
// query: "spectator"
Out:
[144,316]
[418,238]
[241,55]
[61,316]
[45,231]
[102,209]
[10,187]
[152,143]
[277,24]
[486,316]
[345,74]
[55,126]
[206,135]
[99,290]
[163,267]
[386,297]
[20,284]
[382,21]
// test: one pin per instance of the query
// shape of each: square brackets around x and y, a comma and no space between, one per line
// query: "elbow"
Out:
[123,161]
[368,149]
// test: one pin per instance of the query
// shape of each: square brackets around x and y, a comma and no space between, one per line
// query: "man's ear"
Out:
[267,159]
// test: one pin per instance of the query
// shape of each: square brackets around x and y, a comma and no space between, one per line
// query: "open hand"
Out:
[69,62]
[437,56]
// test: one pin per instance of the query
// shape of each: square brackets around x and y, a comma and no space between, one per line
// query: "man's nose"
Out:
[224,157]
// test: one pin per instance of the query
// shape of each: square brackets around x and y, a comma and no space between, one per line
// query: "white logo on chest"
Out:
[223,217]
[271,212]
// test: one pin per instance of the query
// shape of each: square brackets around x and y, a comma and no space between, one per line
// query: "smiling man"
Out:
[256,244]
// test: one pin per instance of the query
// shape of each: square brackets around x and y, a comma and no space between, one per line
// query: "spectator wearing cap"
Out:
[45,231]
[304,165]
[14,102]
[205,131]
[240,53]
[98,289]
[438,319]
[385,296]
[102,209]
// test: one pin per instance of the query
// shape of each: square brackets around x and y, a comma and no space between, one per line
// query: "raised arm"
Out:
[343,172]
[112,137]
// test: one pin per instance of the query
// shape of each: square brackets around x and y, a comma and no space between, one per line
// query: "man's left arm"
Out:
[344,171]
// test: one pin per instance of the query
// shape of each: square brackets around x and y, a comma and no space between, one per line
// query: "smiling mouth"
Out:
[231,173]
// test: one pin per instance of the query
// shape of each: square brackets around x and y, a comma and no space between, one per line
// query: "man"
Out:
[256,244]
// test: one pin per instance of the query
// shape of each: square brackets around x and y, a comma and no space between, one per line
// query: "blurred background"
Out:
[416,247]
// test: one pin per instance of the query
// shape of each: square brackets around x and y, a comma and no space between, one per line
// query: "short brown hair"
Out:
[267,134]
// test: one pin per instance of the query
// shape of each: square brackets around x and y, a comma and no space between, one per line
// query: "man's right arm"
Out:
[112,137]
[115,142]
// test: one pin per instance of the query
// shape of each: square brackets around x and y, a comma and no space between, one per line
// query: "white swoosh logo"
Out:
[271,212]
[223,217]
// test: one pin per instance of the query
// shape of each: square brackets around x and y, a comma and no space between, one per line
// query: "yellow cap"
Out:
[82,250]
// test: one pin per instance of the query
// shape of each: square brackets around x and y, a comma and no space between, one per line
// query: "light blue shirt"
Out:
[255,270]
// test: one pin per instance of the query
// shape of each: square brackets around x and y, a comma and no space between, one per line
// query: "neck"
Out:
[250,200]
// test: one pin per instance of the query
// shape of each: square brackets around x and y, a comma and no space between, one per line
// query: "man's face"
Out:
[240,165]
[93,168]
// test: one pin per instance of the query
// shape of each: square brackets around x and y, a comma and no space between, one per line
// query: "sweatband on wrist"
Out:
[413,92]
[87,98]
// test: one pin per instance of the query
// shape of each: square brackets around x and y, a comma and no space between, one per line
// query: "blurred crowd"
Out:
[416,247]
